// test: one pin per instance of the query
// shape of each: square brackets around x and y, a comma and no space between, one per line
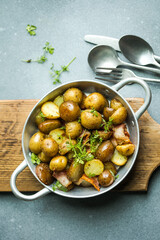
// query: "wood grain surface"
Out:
[13,116]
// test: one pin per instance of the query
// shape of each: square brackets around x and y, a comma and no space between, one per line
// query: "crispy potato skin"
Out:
[75,171]
[44,173]
[96,100]
[49,125]
[69,111]
[35,142]
[73,94]
[107,112]
[115,104]
[106,178]
[58,163]
[90,120]
[73,129]
[119,116]
[49,147]
[43,157]
[105,151]
[126,149]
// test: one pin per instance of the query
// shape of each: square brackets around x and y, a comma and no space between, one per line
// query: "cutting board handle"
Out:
[18,194]
[148,95]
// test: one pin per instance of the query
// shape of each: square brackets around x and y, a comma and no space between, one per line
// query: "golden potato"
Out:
[39,119]
[107,112]
[49,125]
[43,157]
[82,105]
[35,142]
[73,94]
[93,168]
[69,111]
[118,158]
[119,116]
[75,171]
[115,104]
[91,119]
[65,146]
[73,129]
[96,100]
[50,110]
[44,173]
[58,135]
[106,178]
[49,147]
[126,149]
[58,163]
[105,151]
[110,166]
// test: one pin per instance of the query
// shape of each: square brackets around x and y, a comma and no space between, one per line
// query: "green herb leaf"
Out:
[42,115]
[48,48]
[31,29]
[107,125]
[95,141]
[63,127]
[94,112]
[59,186]
[91,175]
[35,159]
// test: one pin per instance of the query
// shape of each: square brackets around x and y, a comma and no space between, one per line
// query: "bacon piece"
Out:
[120,134]
[62,178]
[85,135]
[114,142]
[92,180]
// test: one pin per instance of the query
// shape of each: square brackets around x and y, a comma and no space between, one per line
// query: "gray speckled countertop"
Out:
[64,24]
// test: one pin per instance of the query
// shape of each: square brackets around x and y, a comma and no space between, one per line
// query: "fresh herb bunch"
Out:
[95,141]
[31,29]
[107,125]
[35,159]
[94,112]
[59,186]
[55,74]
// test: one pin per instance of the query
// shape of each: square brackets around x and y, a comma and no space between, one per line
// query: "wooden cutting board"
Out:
[13,116]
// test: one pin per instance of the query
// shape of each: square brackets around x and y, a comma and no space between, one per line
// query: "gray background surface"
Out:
[64,24]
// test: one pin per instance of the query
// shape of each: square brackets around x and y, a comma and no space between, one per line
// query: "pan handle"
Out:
[20,195]
[148,95]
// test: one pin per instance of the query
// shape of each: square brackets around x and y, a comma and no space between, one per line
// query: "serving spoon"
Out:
[105,56]
[137,50]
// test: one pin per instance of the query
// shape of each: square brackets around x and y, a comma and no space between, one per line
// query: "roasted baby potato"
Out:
[126,149]
[58,100]
[91,119]
[58,135]
[73,129]
[118,158]
[39,119]
[119,116]
[43,157]
[93,168]
[104,135]
[65,146]
[69,111]
[96,100]
[44,173]
[115,104]
[107,112]
[75,171]
[35,142]
[105,151]
[110,166]
[106,178]
[49,125]
[73,94]
[50,110]
[82,105]
[49,147]
[58,163]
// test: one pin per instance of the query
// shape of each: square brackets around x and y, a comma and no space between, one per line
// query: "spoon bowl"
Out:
[137,50]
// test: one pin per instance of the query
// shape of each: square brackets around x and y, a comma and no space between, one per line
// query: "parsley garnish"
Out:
[59,186]
[107,125]
[95,141]
[35,159]
[94,112]
[48,48]
[55,74]
[31,29]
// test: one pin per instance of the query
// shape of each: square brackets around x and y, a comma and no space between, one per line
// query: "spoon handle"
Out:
[148,79]
[157,58]
[140,67]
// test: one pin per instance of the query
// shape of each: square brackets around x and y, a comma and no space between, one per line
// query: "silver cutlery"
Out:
[117,74]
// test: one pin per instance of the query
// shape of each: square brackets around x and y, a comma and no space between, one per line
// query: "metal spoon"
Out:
[137,50]
[105,56]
